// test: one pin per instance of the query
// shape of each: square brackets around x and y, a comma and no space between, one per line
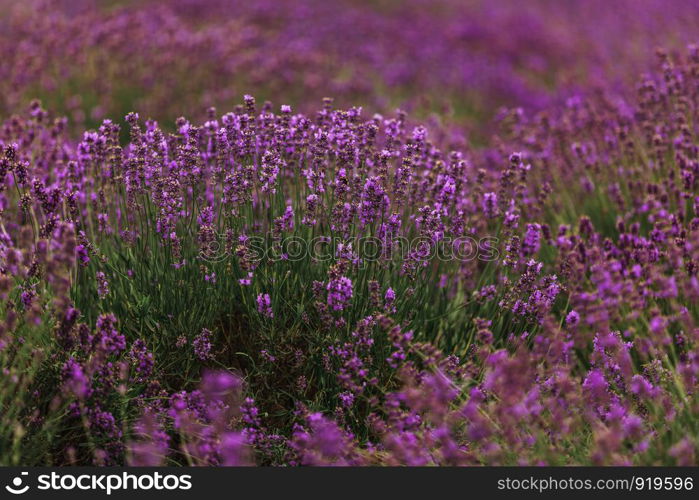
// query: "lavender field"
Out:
[358,232]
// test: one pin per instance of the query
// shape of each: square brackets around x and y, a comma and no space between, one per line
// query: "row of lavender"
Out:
[93,60]
[568,336]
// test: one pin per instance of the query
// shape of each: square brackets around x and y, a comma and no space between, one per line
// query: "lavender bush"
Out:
[343,285]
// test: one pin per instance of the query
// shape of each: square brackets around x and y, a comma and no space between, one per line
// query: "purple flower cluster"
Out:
[202,345]
[339,293]
[264,305]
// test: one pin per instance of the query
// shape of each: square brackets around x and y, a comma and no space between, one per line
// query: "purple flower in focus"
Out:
[142,360]
[264,305]
[202,345]
[111,341]
[532,240]
[339,293]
